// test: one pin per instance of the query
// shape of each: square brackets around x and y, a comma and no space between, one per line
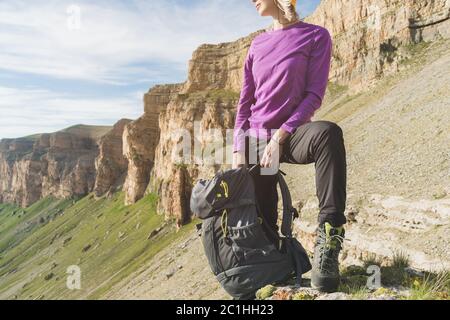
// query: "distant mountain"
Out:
[60,164]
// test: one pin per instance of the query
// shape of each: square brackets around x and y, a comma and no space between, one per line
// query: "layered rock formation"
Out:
[61,164]
[14,170]
[140,140]
[368,34]
[111,165]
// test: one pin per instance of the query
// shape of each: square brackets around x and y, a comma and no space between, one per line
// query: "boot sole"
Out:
[329,285]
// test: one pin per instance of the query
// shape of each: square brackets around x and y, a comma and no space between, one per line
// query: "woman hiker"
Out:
[285,77]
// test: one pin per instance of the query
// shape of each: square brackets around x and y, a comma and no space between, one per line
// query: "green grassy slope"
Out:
[105,238]
[17,223]
[93,132]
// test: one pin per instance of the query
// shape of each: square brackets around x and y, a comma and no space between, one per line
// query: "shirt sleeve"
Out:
[316,81]
[247,98]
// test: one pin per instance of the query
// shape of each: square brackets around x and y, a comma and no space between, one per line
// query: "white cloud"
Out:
[29,111]
[35,37]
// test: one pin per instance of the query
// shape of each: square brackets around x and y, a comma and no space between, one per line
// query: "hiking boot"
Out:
[325,273]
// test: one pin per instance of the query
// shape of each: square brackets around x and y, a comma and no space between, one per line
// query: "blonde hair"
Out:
[288,11]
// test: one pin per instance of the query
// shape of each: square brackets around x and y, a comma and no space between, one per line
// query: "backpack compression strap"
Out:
[289,212]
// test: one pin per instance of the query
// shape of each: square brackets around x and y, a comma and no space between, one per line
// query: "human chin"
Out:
[262,10]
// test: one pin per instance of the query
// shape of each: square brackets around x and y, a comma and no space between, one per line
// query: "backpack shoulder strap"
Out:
[289,212]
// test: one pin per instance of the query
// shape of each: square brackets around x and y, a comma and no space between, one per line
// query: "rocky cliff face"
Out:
[61,164]
[140,140]
[111,165]
[15,181]
[367,35]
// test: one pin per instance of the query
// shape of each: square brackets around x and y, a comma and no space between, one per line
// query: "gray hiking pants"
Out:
[320,142]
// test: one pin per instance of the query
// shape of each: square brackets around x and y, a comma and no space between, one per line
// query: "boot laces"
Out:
[329,248]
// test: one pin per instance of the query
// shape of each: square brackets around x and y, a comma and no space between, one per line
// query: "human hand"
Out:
[272,154]
[274,149]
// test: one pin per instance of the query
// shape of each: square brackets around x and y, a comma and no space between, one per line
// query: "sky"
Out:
[69,62]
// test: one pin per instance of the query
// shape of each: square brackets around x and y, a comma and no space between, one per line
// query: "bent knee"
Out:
[329,128]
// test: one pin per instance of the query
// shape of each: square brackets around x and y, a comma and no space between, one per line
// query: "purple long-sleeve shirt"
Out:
[284,81]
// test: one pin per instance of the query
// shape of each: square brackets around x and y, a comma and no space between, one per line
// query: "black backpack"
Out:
[234,234]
